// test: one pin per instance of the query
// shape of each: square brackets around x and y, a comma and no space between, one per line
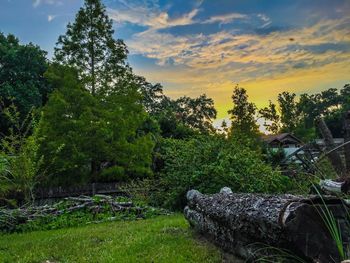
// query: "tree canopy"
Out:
[243,114]
[89,46]
[80,133]
[22,80]
[96,117]
[297,114]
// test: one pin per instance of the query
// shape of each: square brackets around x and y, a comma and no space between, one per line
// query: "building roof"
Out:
[280,137]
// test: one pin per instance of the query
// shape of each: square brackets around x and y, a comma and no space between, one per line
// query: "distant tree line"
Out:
[298,115]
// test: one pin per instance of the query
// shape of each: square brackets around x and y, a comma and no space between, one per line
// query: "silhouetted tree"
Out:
[271,117]
[243,114]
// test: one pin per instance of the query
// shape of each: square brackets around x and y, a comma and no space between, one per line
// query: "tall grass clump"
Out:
[332,226]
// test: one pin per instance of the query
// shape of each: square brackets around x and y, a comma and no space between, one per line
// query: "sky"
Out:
[193,47]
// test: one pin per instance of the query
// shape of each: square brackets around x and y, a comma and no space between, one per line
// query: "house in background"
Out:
[283,140]
[286,141]
[296,152]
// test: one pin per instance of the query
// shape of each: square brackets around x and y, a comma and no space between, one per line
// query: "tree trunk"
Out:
[92,55]
[333,156]
[347,139]
[94,170]
[244,223]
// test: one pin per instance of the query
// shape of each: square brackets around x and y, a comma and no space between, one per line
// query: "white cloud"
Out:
[154,18]
[151,17]
[148,13]
[245,56]
[266,20]
[37,3]
[50,18]
[225,19]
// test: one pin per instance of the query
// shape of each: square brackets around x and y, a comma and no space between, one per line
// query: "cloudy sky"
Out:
[207,46]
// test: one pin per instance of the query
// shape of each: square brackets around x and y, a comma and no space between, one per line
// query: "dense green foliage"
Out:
[19,158]
[180,118]
[209,163]
[162,239]
[80,131]
[22,80]
[196,113]
[95,118]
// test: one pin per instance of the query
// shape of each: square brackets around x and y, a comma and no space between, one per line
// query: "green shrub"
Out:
[19,159]
[273,156]
[209,163]
[325,169]
[113,174]
[139,190]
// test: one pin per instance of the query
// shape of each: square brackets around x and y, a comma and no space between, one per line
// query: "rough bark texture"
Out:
[333,156]
[240,223]
[346,139]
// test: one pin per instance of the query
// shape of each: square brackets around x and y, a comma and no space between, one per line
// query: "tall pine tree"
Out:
[89,46]
[107,132]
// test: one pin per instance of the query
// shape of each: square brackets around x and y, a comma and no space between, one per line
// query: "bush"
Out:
[273,156]
[209,163]
[113,174]
[19,158]
[139,190]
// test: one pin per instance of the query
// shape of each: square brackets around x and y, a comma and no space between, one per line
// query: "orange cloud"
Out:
[300,60]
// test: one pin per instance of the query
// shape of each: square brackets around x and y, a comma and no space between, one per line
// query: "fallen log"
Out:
[241,223]
[331,186]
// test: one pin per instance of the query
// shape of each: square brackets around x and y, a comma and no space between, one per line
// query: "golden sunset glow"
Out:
[199,46]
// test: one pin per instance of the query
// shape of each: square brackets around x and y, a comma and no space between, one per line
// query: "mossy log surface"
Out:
[244,223]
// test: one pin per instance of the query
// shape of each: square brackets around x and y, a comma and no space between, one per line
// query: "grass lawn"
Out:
[162,239]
